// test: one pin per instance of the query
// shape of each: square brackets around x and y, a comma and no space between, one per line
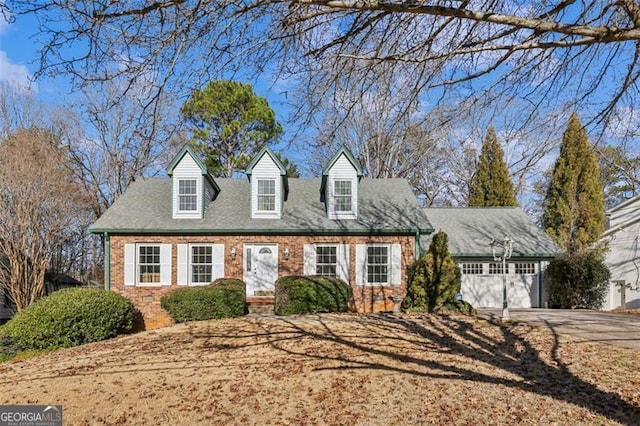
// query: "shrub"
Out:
[459,306]
[577,281]
[434,279]
[309,294]
[70,317]
[224,298]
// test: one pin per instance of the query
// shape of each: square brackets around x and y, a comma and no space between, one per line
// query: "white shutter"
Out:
[309,259]
[165,264]
[129,264]
[396,264]
[361,264]
[183,264]
[217,252]
[343,262]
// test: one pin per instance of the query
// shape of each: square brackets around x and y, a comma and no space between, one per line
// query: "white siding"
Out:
[187,168]
[266,168]
[623,260]
[342,169]
[624,214]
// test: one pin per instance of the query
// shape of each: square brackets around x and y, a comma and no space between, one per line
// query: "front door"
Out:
[260,268]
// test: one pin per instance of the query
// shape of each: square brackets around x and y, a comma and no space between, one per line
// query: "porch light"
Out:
[233,253]
[502,251]
[287,253]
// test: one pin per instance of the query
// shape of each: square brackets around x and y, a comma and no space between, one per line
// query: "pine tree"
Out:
[574,210]
[492,185]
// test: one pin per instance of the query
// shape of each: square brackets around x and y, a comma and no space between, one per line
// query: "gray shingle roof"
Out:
[470,230]
[385,206]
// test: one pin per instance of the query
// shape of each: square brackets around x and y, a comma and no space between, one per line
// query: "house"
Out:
[189,229]
[623,256]
[471,231]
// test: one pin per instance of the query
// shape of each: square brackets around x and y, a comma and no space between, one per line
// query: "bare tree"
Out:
[583,55]
[41,209]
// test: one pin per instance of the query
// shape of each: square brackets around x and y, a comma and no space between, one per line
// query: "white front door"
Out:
[260,268]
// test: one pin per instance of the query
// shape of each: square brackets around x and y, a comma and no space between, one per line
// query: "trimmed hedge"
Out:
[310,294]
[224,298]
[70,317]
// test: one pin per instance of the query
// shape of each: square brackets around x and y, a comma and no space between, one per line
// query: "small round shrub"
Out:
[70,317]
[310,294]
[459,306]
[224,298]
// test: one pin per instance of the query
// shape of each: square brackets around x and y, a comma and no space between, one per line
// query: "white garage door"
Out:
[482,284]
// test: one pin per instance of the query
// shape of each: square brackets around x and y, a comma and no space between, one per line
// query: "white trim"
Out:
[130,256]
[137,264]
[183,264]
[394,264]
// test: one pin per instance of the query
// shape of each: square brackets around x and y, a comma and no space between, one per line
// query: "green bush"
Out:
[309,294]
[434,279]
[224,298]
[459,306]
[577,281]
[70,317]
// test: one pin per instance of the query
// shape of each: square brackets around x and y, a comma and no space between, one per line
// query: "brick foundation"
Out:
[147,299]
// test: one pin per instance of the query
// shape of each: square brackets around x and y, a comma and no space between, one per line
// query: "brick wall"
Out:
[147,299]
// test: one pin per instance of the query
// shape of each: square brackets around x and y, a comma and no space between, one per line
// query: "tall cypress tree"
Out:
[492,186]
[574,210]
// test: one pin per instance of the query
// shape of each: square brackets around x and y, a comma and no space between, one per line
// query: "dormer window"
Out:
[187,195]
[266,195]
[343,196]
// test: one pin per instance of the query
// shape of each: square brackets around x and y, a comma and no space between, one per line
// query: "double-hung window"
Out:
[342,196]
[201,264]
[266,195]
[377,264]
[187,195]
[149,264]
[327,261]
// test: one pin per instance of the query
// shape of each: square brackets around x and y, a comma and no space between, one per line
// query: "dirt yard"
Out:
[334,369]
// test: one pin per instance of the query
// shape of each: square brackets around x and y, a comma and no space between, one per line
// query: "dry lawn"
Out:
[335,369]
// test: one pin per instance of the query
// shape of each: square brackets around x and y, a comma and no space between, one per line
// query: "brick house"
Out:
[189,229]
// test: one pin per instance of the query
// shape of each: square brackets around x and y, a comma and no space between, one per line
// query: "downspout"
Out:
[107,262]
[416,254]
[540,284]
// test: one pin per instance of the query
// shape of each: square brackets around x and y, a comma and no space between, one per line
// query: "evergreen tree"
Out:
[574,211]
[229,124]
[434,279]
[492,185]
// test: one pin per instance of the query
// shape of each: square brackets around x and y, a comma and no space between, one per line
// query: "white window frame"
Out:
[190,195]
[335,264]
[338,197]
[260,195]
[191,264]
[525,268]
[388,264]
[472,268]
[495,268]
[140,264]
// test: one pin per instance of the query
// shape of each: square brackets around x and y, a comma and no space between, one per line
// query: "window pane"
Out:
[472,268]
[342,195]
[149,264]
[377,264]
[326,261]
[266,187]
[187,198]
[201,264]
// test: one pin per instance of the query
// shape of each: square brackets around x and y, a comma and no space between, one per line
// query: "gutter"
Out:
[202,231]
[107,261]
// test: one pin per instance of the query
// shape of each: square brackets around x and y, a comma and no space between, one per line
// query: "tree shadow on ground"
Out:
[401,344]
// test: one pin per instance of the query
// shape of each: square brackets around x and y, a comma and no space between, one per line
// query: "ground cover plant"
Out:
[336,369]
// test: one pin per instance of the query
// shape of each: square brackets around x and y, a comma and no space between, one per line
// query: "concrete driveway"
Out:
[596,326]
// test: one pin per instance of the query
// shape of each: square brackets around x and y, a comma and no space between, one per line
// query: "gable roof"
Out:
[386,206]
[470,231]
[261,153]
[186,149]
[343,150]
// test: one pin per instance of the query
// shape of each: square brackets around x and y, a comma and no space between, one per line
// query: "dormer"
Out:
[340,185]
[192,187]
[269,185]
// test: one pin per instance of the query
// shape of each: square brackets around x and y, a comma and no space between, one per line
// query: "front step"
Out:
[260,304]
